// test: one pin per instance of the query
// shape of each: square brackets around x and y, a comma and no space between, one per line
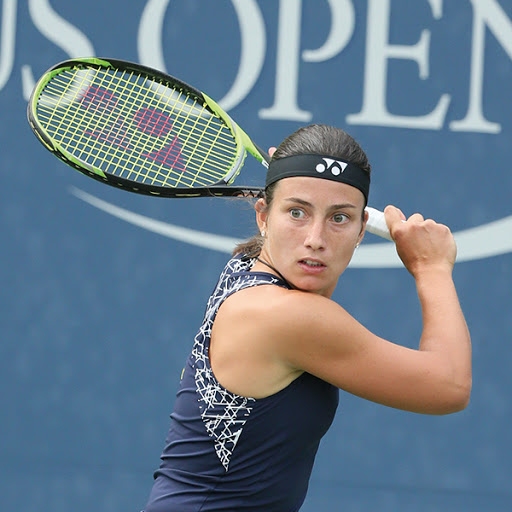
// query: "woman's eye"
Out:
[296,213]
[339,218]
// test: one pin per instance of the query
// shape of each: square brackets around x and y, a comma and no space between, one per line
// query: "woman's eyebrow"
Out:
[303,202]
[298,201]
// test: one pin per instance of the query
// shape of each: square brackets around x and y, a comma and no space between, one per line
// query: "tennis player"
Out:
[260,387]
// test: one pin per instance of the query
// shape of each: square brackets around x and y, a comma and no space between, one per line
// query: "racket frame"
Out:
[376,222]
[224,187]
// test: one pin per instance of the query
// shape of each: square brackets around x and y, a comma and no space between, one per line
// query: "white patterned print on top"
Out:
[224,414]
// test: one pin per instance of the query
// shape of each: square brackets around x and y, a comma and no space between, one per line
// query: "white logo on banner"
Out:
[290,102]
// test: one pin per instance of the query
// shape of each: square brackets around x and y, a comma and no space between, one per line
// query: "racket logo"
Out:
[334,166]
[118,132]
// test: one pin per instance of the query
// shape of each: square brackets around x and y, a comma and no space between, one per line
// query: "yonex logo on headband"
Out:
[319,166]
[335,166]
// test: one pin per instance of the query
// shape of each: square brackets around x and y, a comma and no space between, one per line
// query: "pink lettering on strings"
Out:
[153,122]
[158,124]
[99,98]
[114,134]
[170,155]
[147,120]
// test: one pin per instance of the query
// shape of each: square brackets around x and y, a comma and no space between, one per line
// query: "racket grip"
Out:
[377,223]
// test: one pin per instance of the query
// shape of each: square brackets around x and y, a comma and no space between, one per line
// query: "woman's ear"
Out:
[261,214]
[271,150]
[363,228]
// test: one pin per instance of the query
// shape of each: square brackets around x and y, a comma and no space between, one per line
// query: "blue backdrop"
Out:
[102,290]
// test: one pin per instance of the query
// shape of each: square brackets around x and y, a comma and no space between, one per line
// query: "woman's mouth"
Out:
[311,265]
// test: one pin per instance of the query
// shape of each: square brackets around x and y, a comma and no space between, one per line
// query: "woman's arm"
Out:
[322,338]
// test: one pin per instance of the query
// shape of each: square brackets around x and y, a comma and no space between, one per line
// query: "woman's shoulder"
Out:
[277,304]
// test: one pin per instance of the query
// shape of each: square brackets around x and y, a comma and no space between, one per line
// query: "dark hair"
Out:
[314,139]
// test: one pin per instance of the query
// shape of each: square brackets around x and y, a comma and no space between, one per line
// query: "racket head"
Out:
[134,127]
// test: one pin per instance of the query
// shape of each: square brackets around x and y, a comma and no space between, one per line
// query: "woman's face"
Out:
[311,230]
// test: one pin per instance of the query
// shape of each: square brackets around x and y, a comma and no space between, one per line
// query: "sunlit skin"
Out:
[311,231]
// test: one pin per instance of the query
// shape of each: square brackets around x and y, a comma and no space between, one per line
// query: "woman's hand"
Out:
[422,245]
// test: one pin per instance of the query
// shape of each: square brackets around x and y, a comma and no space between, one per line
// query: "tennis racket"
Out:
[144,131]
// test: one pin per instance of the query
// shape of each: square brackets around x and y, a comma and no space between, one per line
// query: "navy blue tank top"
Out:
[226,452]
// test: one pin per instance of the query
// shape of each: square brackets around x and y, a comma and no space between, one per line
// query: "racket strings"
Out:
[131,126]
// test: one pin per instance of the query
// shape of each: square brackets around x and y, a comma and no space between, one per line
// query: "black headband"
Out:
[319,166]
